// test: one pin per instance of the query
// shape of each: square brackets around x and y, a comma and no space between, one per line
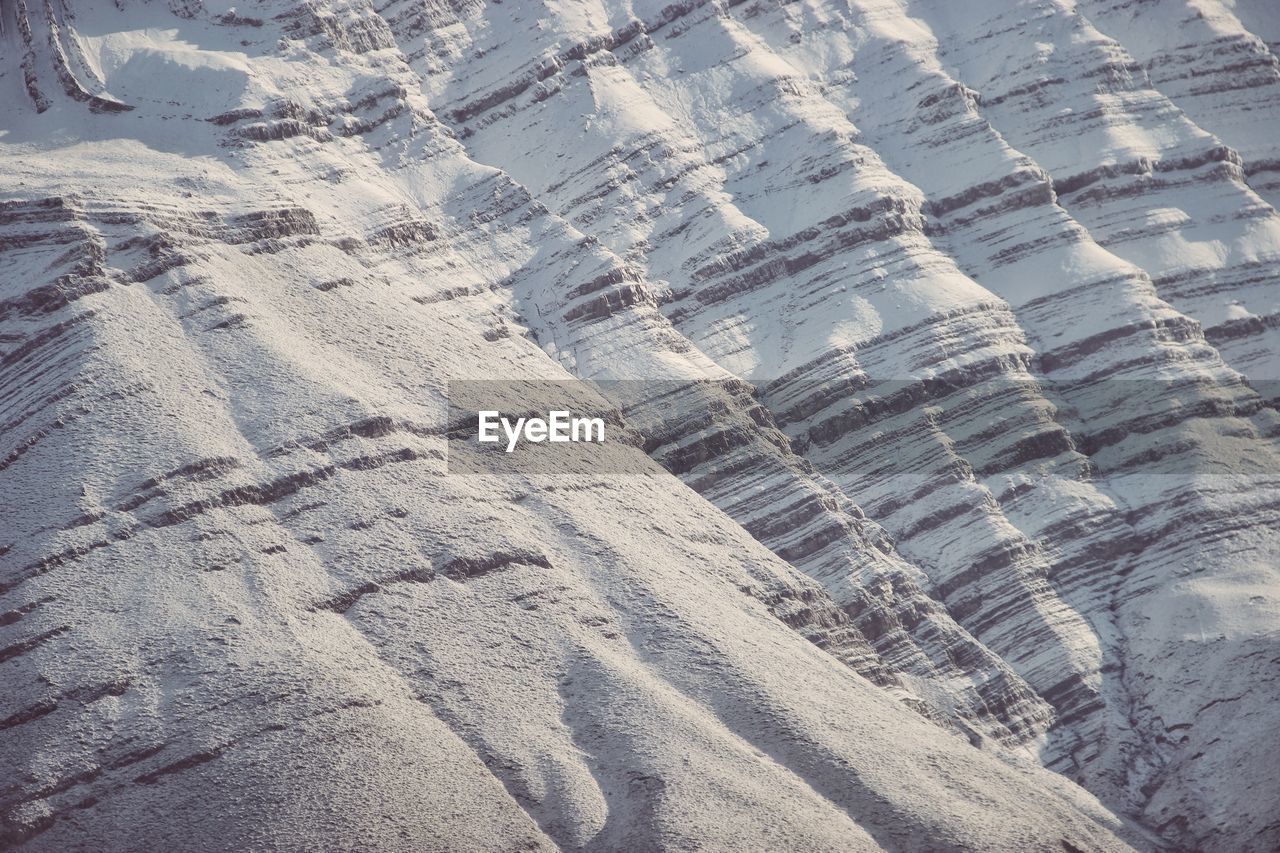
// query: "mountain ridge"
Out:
[830,291]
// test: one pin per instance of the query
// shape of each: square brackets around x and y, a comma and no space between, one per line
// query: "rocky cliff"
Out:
[948,335]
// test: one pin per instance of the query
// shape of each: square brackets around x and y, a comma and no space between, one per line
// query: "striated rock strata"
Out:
[948,336]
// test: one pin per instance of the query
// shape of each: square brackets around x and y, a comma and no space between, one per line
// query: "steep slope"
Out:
[246,606]
[689,122]
[824,269]
[1124,160]
[945,485]
[727,287]
[1206,59]
[995,211]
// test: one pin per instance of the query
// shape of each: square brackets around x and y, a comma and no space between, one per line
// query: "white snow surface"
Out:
[979,547]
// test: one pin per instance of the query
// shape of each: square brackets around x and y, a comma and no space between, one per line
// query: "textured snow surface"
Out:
[959,524]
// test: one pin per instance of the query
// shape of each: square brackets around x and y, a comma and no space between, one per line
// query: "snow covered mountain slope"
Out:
[948,333]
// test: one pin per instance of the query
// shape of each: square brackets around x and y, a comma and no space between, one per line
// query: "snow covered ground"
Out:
[944,338]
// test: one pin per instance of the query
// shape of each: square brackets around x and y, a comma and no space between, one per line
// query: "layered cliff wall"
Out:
[949,334]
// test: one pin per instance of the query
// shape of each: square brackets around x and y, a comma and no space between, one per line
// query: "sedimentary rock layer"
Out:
[945,335]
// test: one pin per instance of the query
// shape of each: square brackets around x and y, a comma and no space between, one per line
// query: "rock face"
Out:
[949,335]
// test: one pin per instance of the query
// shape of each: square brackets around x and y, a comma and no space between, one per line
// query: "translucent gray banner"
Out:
[912,429]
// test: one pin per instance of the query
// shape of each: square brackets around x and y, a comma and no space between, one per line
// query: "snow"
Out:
[240,586]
